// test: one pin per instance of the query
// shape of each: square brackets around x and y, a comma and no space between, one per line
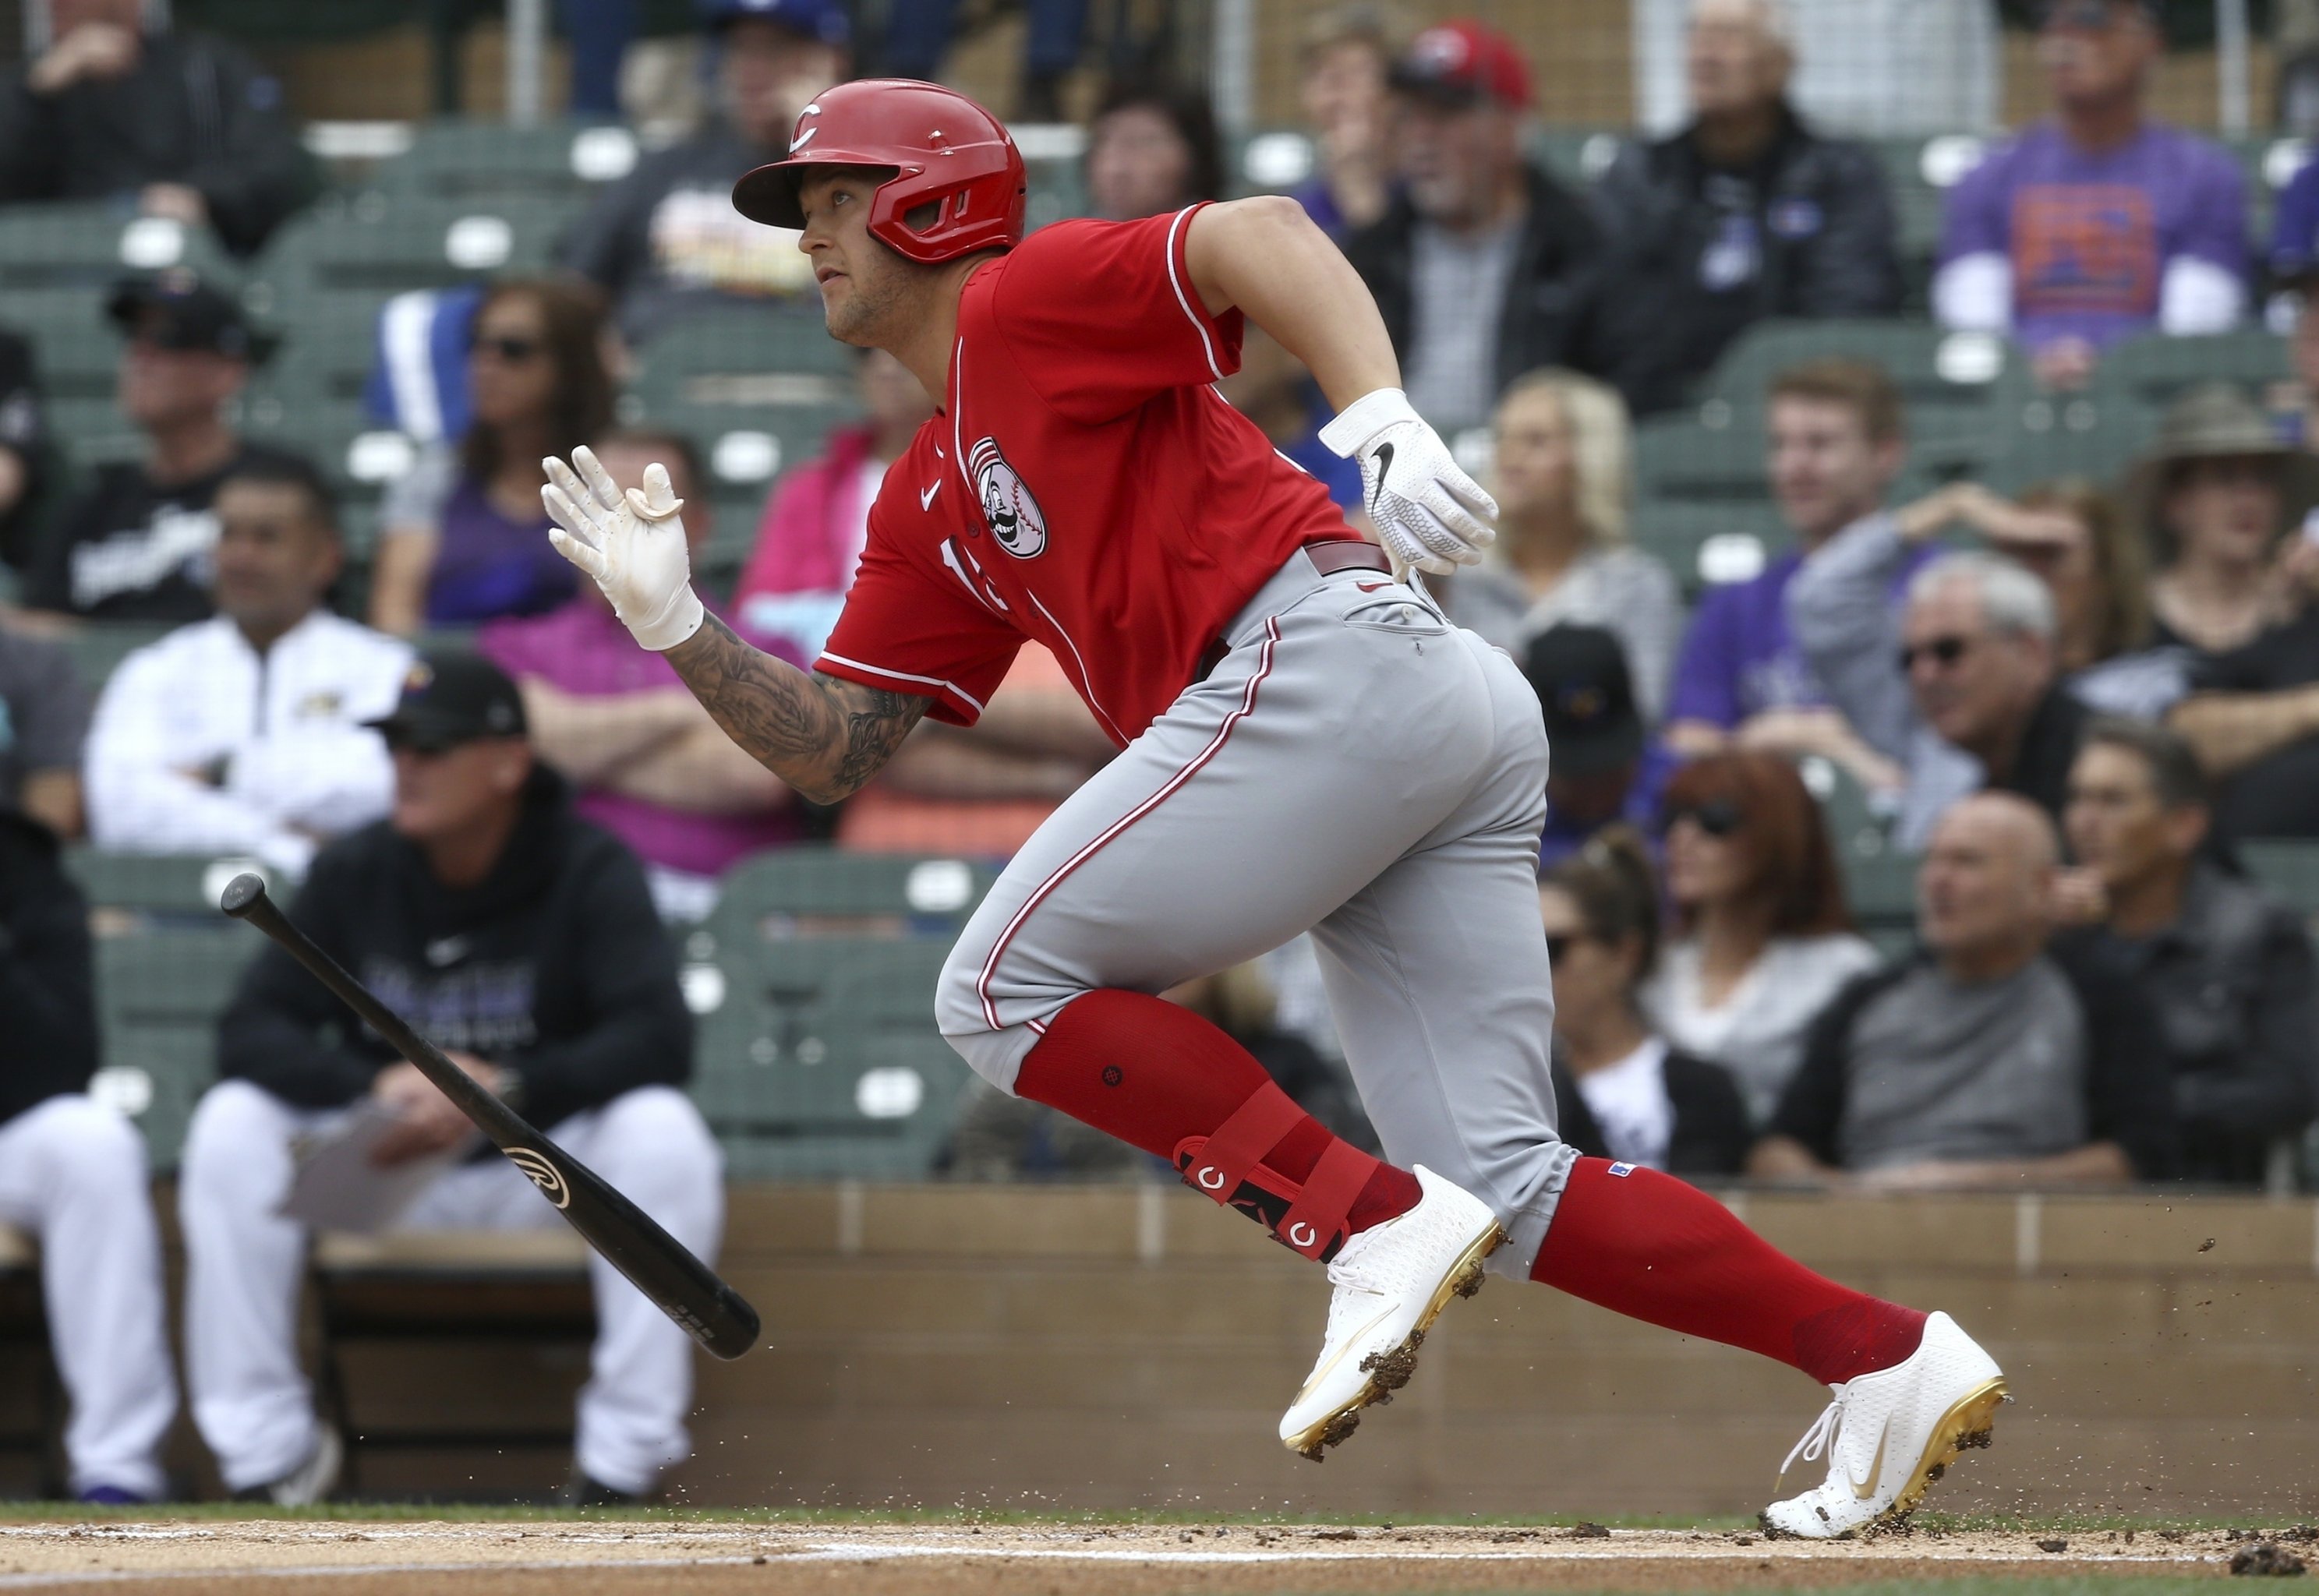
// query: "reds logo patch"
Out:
[1011,514]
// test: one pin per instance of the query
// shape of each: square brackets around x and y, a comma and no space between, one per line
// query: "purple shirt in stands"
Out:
[487,565]
[583,650]
[2089,237]
[1738,659]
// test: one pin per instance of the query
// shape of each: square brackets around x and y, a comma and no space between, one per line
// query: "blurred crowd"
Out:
[2074,707]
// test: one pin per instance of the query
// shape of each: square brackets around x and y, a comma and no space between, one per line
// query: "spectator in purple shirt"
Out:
[651,767]
[2101,222]
[1836,445]
[465,538]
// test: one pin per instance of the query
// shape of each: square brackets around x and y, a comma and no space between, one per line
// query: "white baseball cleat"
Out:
[1392,1280]
[1891,1434]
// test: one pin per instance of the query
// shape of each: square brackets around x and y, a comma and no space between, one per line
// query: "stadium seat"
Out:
[1946,379]
[164,885]
[2153,372]
[467,161]
[1919,173]
[98,647]
[814,984]
[160,994]
[2039,435]
[757,390]
[2289,870]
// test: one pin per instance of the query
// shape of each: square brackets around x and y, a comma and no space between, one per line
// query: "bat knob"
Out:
[244,893]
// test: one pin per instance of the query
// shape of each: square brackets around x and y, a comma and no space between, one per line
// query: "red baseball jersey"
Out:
[1083,484]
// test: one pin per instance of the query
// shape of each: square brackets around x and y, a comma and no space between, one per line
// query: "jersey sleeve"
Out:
[1099,316]
[913,627]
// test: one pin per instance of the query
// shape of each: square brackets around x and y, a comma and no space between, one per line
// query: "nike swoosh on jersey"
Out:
[1371,587]
[1861,1490]
[926,499]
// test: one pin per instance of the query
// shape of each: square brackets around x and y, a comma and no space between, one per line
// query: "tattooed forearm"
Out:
[823,736]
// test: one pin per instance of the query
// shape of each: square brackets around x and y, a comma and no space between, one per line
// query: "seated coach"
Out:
[522,941]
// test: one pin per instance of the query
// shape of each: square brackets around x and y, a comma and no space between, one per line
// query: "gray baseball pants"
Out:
[1357,767]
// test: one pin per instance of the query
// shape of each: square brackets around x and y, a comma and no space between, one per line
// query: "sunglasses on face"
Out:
[1717,817]
[515,351]
[1559,944]
[1942,652]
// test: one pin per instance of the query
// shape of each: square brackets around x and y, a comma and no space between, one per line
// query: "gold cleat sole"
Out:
[1388,1372]
[1970,1423]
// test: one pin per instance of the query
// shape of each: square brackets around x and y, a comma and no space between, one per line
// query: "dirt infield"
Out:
[629,1559]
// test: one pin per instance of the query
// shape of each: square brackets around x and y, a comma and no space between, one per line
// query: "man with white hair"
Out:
[1747,213]
[1972,699]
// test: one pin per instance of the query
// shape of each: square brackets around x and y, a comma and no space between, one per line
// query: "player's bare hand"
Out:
[426,1121]
[631,543]
[1429,513]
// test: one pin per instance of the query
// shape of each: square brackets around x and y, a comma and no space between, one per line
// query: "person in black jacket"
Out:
[188,125]
[1746,213]
[1622,1091]
[2228,968]
[1992,1061]
[522,941]
[72,1172]
[1482,263]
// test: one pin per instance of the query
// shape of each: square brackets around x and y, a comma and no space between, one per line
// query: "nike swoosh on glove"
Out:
[1429,513]
[632,543]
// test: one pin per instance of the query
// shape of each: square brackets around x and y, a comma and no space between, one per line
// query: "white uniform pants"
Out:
[72,1172]
[255,1407]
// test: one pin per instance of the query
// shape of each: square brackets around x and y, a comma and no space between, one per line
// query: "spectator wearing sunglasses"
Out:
[1622,1091]
[1973,696]
[2101,222]
[1985,1061]
[1762,937]
[465,539]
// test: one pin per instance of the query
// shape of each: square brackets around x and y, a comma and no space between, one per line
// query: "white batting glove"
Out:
[632,543]
[1429,513]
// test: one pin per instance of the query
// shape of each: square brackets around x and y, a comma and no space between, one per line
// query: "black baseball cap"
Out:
[178,310]
[1581,678]
[450,698]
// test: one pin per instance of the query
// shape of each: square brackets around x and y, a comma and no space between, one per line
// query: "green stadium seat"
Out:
[2154,371]
[160,994]
[757,390]
[2290,870]
[1577,155]
[98,647]
[1881,889]
[163,885]
[1946,379]
[814,984]
[464,160]
[377,242]
[1919,173]
[87,245]
[2039,436]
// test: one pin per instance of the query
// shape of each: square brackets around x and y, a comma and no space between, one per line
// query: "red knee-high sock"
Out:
[1162,1078]
[1650,1247]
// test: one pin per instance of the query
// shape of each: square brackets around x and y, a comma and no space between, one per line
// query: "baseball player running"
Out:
[1305,744]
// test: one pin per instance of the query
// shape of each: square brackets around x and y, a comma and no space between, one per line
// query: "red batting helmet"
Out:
[942,149]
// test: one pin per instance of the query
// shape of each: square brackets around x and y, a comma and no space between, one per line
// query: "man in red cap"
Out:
[1483,263]
[1305,744]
